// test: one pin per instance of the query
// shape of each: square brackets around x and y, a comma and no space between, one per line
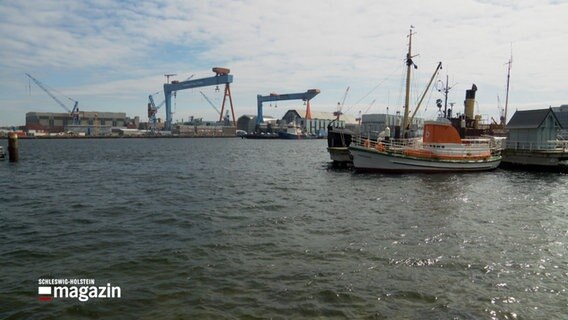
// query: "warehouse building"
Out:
[373,124]
[248,123]
[319,121]
[90,122]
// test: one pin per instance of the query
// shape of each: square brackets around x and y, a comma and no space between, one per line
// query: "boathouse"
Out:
[561,114]
[533,129]
[535,141]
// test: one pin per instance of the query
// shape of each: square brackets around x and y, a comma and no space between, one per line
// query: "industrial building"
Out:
[318,122]
[248,123]
[204,129]
[316,125]
[373,124]
[89,122]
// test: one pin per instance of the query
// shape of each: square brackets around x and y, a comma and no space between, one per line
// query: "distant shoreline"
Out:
[115,137]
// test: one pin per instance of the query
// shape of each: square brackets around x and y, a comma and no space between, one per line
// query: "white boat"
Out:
[294,132]
[440,149]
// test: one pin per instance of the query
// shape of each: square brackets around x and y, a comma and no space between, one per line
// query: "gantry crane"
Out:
[305,96]
[222,76]
[73,112]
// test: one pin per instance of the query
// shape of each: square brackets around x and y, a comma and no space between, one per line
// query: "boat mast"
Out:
[446,91]
[409,64]
[426,91]
[507,94]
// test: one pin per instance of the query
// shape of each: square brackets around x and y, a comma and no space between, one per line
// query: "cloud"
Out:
[113,54]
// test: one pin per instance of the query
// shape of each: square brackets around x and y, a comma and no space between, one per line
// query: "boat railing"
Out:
[476,141]
[548,146]
[468,147]
[391,145]
[496,143]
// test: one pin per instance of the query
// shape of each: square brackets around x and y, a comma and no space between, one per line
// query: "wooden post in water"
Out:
[13,146]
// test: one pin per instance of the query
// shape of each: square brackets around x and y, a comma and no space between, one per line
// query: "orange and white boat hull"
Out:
[368,159]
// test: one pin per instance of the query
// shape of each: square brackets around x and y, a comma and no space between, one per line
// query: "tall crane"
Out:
[226,120]
[338,113]
[73,112]
[153,110]
[370,105]
[210,103]
[359,116]
[222,76]
[305,96]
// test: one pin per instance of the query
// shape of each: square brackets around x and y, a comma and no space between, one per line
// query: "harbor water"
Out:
[232,228]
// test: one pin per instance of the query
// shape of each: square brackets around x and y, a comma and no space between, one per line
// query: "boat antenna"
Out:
[445,89]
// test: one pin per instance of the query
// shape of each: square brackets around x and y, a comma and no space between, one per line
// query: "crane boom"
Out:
[44,88]
[338,113]
[211,103]
[345,97]
[370,105]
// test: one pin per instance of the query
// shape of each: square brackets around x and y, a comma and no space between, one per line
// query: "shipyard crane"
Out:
[305,96]
[73,112]
[168,75]
[359,116]
[370,105]
[338,113]
[226,119]
[222,76]
[210,103]
[153,110]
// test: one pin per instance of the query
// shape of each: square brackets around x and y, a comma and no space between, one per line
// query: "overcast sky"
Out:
[110,55]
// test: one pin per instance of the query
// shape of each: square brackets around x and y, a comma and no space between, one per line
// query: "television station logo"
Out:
[78,289]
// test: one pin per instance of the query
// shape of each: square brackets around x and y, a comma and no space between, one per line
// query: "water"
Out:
[223,228]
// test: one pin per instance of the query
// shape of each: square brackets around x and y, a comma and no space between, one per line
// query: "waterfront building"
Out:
[248,123]
[373,124]
[535,140]
[90,122]
[318,122]
[533,129]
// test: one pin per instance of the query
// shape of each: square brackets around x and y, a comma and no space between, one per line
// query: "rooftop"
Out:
[528,119]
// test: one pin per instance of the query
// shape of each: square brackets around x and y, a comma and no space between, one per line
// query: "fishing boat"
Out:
[440,149]
[338,141]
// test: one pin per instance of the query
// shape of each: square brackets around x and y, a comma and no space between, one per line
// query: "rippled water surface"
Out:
[231,228]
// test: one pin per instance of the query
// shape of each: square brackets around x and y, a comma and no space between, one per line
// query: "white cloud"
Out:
[113,54]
